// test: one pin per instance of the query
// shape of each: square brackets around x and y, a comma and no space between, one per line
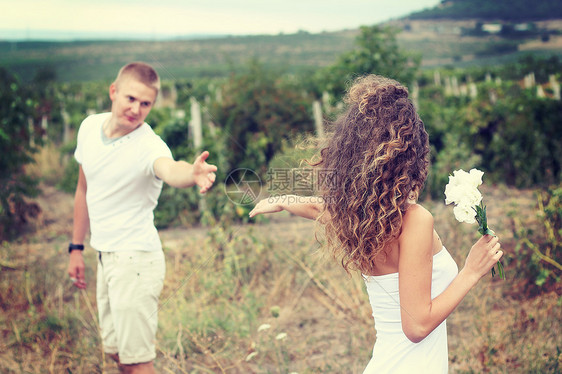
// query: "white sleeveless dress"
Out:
[394,352]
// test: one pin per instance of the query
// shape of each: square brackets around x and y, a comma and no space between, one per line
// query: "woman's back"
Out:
[389,262]
[393,351]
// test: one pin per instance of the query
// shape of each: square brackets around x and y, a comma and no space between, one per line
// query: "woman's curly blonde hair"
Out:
[377,157]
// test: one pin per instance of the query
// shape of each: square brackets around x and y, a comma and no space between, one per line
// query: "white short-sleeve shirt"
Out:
[122,189]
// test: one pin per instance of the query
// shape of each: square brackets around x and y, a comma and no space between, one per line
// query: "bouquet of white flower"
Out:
[462,190]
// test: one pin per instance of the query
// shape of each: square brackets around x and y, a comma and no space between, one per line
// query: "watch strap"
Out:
[72,247]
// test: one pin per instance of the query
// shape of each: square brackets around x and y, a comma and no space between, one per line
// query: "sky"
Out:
[40,19]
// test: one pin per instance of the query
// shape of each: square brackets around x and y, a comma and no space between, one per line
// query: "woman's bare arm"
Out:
[420,314]
[310,207]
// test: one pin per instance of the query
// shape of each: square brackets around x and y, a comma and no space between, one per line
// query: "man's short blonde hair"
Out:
[142,72]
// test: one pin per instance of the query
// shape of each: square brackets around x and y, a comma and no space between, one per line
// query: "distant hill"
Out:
[99,60]
[456,33]
[504,10]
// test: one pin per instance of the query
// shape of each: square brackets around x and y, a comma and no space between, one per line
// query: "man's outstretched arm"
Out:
[182,174]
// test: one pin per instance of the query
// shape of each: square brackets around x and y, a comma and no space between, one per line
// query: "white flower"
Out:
[462,195]
[281,336]
[251,355]
[263,327]
[462,190]
[476,177]
[464,213]
[472,179]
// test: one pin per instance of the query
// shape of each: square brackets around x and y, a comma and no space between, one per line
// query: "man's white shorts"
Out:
[128,286]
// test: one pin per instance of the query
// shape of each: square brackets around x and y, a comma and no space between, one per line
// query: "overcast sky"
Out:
[24,19]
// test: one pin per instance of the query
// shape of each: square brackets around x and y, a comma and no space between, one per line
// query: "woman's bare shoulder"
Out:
[417,214]
[417,229]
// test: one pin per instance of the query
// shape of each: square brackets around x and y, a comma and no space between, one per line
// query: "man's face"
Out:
[131,102]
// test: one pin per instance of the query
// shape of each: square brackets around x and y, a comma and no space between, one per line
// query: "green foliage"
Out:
[376,52]
[515,138]
[69,178]
[509,10]
[175,204]
[541,67]
[538,253]
[449,139]
[44,91]
[15,109]
[201,89]
[454,155]
[520,139]
[185,206]
[258,110]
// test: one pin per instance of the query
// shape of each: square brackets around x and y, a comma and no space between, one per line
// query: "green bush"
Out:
[516,140]
[16,107]
[520,139]
[453,156]
[258,110]
[538,251]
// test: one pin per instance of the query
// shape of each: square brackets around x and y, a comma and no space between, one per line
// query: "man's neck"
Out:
[112,130]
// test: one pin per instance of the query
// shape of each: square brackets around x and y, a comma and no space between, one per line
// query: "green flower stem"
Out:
[483,229]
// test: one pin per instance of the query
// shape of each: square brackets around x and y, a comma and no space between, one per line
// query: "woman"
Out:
[378,157]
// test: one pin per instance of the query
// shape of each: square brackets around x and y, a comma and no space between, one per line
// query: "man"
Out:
[123,164]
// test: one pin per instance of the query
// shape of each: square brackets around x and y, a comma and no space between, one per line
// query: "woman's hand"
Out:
[309,207]
[269,205]
[483,255]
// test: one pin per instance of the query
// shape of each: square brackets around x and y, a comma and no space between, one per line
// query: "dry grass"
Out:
[48,165]
[222,283]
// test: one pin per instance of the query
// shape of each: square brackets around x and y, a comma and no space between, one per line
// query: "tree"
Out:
[258,110]
[376,52]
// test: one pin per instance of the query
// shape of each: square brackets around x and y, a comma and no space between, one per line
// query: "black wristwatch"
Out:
[72,247]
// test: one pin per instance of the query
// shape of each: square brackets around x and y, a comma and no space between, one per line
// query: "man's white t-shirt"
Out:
[122,189]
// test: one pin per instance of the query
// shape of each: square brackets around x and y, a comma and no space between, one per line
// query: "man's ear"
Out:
[112,91]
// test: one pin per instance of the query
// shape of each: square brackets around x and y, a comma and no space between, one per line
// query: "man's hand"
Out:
[203,173]
[182,174]
[76,269]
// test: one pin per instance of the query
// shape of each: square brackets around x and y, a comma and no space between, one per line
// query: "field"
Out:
[98,60]
[224,282]
[437,42]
